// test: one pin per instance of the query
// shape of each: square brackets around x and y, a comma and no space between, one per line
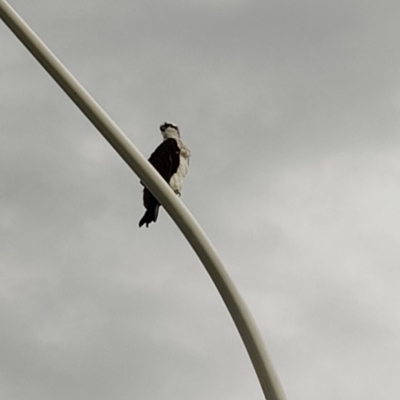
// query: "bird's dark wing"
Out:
[165,158]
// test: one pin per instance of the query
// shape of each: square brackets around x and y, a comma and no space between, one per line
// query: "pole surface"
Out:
[242,318]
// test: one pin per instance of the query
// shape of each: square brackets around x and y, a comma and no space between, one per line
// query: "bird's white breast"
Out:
[176,180]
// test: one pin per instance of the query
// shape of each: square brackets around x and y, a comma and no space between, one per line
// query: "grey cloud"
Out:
[290,112]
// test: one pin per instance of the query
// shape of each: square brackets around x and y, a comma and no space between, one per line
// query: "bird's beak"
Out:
[162,128]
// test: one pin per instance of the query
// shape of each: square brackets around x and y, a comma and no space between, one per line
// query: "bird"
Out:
[171,160]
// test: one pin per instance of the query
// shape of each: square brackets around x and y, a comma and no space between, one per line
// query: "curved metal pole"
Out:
[183,218]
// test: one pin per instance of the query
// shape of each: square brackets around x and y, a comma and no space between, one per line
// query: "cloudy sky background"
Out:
[291,110]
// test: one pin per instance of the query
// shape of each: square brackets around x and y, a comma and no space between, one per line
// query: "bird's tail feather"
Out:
[149,216]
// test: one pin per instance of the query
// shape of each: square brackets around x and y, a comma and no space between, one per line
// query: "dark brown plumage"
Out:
[165,159]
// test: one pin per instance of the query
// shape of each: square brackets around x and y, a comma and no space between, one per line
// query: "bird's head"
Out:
[169,130]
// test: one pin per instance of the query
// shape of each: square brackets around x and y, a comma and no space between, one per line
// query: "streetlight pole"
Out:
[173,205]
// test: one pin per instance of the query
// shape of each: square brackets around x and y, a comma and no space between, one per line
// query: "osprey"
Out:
[171,160]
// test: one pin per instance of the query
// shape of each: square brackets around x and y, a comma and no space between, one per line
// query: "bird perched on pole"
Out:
[171,160]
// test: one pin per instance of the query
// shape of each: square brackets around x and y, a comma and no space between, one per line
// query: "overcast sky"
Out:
[291,111]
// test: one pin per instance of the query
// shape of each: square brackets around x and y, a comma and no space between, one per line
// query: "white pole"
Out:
[183,218]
